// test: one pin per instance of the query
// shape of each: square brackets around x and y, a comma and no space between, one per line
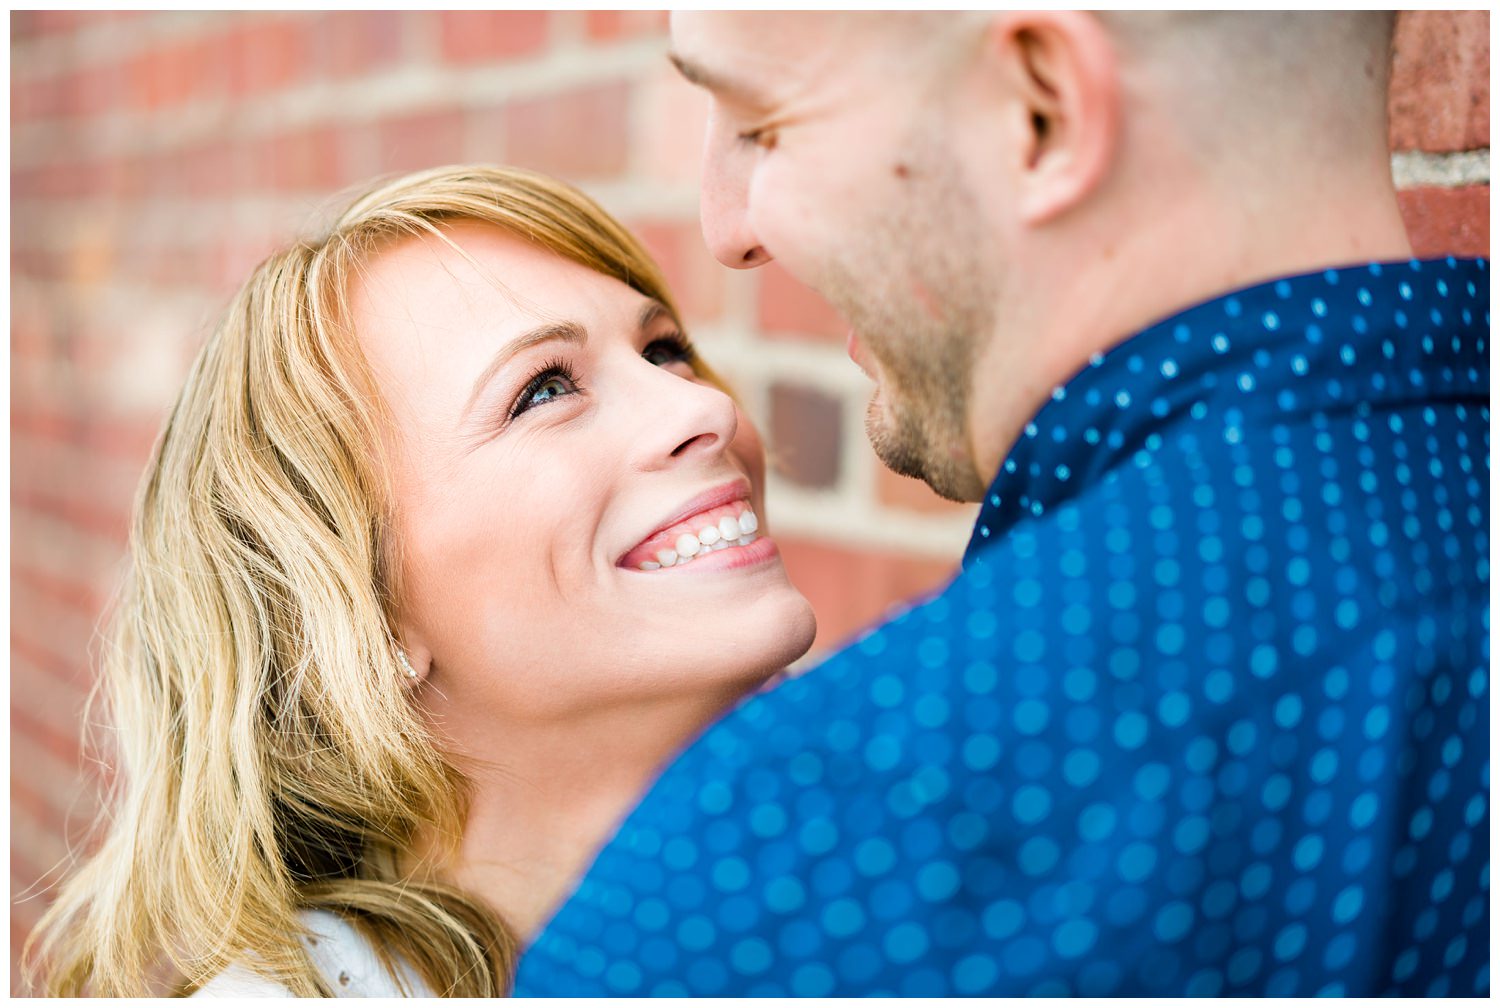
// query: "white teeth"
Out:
[729,531]
[676,558]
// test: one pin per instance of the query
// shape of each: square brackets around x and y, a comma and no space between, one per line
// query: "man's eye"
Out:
[765,139]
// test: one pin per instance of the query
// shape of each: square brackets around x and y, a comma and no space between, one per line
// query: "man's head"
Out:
[991,198]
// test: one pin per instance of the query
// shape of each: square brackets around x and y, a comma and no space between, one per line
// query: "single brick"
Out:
[269,53]
[694,278]
[52,774]
[309,158]
[786,307]
[853,589]
[575,134]
[1440,81]
[215,167]
[24,25]
[49,22]
[54,639]
[485,36]
[349,43]
[129,438]
[1447,221]
[914,495]
[65,179]
[806,432]
[82,597]
[55,725]
[608,25]
[179,73]
[28,99]
[98,89]
[111,523]
[420,140]
[33,98]
[135,176]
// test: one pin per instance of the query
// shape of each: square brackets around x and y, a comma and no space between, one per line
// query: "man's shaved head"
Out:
[1320,76]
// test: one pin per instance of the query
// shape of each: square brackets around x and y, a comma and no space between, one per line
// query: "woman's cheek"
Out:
[750,453]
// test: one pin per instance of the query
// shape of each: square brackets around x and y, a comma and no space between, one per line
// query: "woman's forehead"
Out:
[473,272]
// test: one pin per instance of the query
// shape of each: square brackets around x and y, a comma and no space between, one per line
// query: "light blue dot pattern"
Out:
[1205,713]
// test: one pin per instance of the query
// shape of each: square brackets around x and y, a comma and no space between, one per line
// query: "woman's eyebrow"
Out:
[650,312]
[570,332]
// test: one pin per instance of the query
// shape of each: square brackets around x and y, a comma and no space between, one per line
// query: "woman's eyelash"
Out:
[670,348]
[663,350]
[554,370]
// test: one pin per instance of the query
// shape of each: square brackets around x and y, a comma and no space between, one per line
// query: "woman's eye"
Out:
[553,383]
[669,350]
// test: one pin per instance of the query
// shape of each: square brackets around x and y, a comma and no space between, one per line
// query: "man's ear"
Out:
[1060,71]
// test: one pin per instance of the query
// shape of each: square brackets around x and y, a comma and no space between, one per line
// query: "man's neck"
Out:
[1158,260]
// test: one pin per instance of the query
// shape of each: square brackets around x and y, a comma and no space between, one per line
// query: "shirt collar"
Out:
[1385,332]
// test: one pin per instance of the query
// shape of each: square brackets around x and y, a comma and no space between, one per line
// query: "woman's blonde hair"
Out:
[269,758]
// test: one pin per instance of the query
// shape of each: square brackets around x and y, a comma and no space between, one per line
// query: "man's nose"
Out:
[724,205]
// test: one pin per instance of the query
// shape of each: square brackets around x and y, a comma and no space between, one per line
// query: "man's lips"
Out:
[733,492]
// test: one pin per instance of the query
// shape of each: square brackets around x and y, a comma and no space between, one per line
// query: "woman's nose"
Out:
[682,419]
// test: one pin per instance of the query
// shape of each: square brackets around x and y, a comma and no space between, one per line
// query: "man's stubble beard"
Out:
[917,421]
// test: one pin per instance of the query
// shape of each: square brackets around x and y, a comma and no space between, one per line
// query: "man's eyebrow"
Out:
[570,332]
[710,80]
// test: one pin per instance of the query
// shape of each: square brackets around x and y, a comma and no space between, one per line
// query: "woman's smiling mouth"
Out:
[729,526]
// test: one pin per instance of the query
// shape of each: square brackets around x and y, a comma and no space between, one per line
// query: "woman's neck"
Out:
[537,819]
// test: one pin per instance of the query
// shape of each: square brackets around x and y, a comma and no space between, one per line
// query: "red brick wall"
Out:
[157,156]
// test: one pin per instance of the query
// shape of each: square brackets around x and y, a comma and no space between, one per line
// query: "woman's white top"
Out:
[344,957]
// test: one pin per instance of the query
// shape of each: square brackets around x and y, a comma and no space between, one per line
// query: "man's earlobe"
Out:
[1064,70]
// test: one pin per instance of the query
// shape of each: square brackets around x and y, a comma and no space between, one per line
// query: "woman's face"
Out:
[551,443]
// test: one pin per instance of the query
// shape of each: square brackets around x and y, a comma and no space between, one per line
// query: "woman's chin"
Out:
[780,632]
[801,629]
[792,635]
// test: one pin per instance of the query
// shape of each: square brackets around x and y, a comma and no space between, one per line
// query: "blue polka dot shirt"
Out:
[1205,713]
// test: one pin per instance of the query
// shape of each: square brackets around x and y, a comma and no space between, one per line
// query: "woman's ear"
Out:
[414,660]
[1065,96]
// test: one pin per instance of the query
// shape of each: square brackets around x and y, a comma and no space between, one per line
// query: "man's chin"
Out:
[896,453]
[902,450]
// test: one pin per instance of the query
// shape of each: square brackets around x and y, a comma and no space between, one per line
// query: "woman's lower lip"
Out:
[758,552]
